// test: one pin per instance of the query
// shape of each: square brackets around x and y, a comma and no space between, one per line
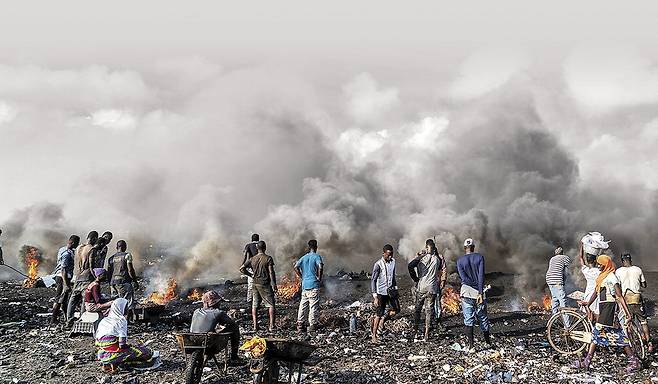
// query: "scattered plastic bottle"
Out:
[352,323]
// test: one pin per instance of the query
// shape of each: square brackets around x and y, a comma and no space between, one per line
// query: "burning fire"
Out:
[195,295]
[32,259]
[450,301]
[288,288]
[544,306]
[165,296]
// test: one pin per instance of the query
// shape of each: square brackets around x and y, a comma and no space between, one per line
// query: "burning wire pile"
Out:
[31,257]
[289,288]
[164,296]
[535,306]
[450,301]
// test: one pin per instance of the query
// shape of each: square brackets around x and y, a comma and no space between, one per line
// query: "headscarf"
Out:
[99,271]
[608,268]
[210,299]
[115,324]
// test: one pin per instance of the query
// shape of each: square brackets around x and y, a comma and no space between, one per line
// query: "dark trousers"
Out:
[421,298]
[76,299]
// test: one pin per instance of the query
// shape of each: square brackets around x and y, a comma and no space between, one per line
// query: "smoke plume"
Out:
[191,158]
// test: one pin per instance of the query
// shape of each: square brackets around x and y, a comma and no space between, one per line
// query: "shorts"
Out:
[61,292]
[385,300]
[263,293]
[637,310]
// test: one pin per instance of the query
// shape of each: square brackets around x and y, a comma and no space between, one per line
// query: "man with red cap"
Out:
[206,319]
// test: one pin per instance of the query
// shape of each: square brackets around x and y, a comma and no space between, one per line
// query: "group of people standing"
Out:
[612,298]
[80,276]
[428,270]
[81,271]
[262,285]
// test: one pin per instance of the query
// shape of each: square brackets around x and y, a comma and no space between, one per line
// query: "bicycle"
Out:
[573,339]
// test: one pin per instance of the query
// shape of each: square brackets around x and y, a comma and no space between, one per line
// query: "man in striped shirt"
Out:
[555,276]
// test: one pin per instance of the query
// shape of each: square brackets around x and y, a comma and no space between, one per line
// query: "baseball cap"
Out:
[469,242]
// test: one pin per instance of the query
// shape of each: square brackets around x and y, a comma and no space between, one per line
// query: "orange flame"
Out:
[31,266]
[450,301]
[163,297]
[195,295]
[547,301]
[544,306]
[288,288]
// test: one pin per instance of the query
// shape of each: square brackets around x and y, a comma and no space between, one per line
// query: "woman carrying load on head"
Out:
[605,333]
[112,341]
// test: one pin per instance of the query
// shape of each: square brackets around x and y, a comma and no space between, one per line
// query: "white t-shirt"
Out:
[591,273]
[630,278]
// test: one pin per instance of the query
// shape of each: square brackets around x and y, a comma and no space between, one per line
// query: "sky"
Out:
[358,123]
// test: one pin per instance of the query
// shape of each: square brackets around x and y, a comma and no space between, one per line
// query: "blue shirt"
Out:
[64,261]
[471,270]
[310,264]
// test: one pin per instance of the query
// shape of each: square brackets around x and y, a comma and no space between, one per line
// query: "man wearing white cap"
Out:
[474,303]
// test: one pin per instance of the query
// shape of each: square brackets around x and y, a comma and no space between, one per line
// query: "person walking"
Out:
[632,282]
[309,269]
[611,299]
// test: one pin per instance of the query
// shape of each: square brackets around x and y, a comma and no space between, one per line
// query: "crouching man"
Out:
[207,319]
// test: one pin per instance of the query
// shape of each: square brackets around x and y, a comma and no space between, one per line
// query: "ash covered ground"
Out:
[33,352]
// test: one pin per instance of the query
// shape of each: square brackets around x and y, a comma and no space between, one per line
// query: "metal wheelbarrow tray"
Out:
[212,343]
[289,350]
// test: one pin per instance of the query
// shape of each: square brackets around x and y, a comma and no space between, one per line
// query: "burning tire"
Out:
[194,368]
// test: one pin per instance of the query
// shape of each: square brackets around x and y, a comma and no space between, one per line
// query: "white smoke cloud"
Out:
[201,161]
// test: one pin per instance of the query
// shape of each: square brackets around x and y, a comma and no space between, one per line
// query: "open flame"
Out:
[166,295]
[288,288]
[195,295]
[535,306]
[450,301]
[32,259]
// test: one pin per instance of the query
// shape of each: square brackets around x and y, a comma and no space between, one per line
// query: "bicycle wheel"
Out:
[635,336]
[562,337]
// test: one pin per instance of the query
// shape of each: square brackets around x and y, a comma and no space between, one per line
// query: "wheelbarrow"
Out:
[292,353]
[199,348]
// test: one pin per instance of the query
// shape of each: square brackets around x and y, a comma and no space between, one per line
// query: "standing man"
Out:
[101,255]
[632,281]
[261,269]
[474,303]
[82,275]
[207,319]
[63,275]
[309,269]
[122,277]
[250,251]
[555,277]
[426,271]
[384,291]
